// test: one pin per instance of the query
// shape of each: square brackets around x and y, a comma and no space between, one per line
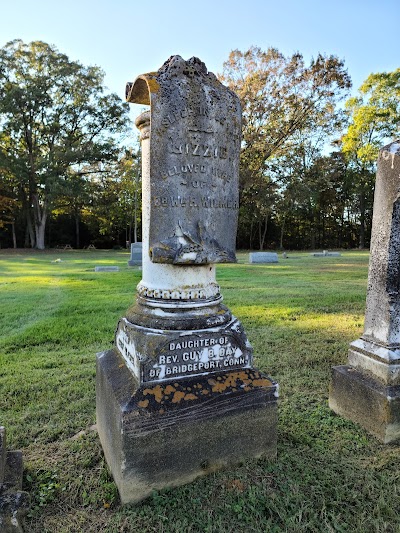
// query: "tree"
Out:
[55,119]
[374,119]
[286,106]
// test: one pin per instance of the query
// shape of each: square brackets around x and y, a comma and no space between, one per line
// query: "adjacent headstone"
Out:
[178,396]
[14,503]
[105,268]
[263,257]
[367,390]
[136,254]
[325,253]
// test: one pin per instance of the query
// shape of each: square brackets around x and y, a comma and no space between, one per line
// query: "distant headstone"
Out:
[178,396]
[106,268]
[325,253]
[263,257]
[14,503]
[367,390]
[136,254]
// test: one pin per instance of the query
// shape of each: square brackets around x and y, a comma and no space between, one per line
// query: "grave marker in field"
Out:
[263,257]
[178,396]
[367,390]
[136,254]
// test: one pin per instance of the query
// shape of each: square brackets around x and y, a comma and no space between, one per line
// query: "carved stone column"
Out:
[367,390]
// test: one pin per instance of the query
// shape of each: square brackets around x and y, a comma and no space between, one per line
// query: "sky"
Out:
[128,38]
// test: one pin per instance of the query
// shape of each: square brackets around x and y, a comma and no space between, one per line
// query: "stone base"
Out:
[135,262]
[366,401]
[14,503]
[167,434]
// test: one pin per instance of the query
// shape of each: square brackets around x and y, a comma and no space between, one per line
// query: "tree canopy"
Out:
[56,121]
[307,164]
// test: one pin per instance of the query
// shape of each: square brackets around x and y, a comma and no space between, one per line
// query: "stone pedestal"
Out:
[177,396]
[367,390]
[168,434]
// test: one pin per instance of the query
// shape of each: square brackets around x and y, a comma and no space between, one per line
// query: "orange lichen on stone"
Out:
[190,397]
[169,389]
[143,403]
[153,85]
[205,391]
[262,383]
[157,392]
[178,396]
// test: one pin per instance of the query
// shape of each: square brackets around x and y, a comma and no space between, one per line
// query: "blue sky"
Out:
[128,38]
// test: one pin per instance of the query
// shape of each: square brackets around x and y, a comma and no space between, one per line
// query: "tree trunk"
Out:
[264,233]
[282,232]
[77,233]
[30,231]
[40,214]
[362,220]
[135,218]
[14,235]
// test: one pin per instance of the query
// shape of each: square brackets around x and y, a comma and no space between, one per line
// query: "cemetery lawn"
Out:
[299,314]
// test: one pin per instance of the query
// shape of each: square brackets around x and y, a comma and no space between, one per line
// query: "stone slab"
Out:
[263,257]
[194,159]
[325,253]
[14,503]
[167,435]
[106,269]
[367,402]
[136,254]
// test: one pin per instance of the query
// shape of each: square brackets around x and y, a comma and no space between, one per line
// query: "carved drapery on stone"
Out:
[195,135]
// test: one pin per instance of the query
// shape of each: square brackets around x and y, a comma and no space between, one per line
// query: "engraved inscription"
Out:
[194,169]
[208,202]
[200,150]
[127,349]
[190,356]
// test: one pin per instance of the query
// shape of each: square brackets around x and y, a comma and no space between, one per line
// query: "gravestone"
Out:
[263,257]
[178,396]
[367,390]
[325,253]
[14,503]
[106,268]
[136,254]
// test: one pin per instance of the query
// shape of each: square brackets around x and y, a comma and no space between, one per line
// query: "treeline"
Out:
[307,167]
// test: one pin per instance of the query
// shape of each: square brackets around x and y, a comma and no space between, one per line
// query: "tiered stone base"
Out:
[366,401]
[167,434]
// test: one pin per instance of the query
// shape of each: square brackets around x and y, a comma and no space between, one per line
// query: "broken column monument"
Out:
[367,389]
[178,396]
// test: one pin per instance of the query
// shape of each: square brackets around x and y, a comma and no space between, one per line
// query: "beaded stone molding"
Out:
[191,293]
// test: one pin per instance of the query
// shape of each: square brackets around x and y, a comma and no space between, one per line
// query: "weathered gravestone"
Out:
[14,503]
[136,254]
[178,396]
[263,257]
[367,390]
[106,268]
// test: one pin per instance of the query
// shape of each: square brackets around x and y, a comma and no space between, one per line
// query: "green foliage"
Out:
[55,119]
[289,112]
[375,118]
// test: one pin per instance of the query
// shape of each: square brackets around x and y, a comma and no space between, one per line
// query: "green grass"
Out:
[299,315]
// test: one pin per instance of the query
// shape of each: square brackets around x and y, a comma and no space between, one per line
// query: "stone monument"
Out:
[367,390]
[14,502]
[136,254]
[178,396]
